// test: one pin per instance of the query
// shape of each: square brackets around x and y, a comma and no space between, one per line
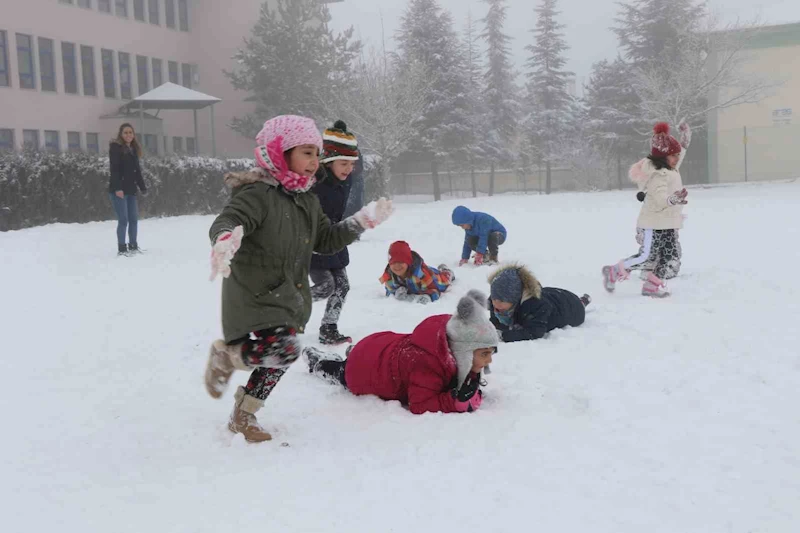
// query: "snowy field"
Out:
[674,416]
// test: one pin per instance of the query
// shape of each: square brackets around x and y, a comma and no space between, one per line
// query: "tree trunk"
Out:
[437,189]
[472,177]
[549,182]
[450,181]
[619,169]
[491,179]
[386,180]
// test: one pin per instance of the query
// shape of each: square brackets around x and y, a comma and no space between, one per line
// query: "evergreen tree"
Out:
[473,71]
[292,63]
[552,108]
[427,36]
[499,90]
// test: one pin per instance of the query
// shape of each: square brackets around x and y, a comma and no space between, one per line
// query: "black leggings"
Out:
[332,285]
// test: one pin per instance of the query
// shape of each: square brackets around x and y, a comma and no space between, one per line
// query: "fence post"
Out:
[745,154]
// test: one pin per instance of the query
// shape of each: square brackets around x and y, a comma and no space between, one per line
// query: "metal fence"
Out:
[756,153]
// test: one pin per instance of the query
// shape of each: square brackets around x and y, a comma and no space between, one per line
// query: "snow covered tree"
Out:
[551,107]
[427,37]
[292,63]
[612,112]
[381,108]
[499,90]
[473,70]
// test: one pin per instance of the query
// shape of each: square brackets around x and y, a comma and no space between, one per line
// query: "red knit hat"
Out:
[400,252]
[663,144]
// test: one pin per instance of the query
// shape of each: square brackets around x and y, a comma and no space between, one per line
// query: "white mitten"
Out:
[374,213]
[222,252]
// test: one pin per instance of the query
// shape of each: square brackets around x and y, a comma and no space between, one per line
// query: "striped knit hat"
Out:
[338,143]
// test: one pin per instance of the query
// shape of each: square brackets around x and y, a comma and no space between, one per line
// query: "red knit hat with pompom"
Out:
[663,144]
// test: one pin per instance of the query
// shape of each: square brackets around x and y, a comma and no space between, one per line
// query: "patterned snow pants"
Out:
[658,249]
[332,285]
[271,352]
[673,266]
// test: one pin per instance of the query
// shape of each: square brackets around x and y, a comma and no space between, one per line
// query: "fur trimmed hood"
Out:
[531,288]
[238,179]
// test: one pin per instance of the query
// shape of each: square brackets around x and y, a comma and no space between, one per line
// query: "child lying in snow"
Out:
[409,279]
[522,310]
[437,368]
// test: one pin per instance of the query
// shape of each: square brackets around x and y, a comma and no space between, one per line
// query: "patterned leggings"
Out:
[673,266]
[271,351]
[658,249]
[332,285]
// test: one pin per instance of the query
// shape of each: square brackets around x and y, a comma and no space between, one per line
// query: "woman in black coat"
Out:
[521,309]
[328,272]
[126,175]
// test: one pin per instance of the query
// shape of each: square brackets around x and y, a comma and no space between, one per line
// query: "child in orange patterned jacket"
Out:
[409,279]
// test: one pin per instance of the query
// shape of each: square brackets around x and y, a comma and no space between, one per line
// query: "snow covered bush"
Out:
[38,188]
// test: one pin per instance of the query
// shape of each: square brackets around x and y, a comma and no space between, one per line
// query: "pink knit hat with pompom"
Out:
[279,135]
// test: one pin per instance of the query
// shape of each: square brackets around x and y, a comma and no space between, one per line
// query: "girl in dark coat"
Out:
[522,310]
[126,175]
[328,272]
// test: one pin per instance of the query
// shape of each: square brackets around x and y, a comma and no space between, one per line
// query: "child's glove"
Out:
[478,259]
[226,245]
[463,262]
[374,213]
[468,398]
[679,198]
[402,294]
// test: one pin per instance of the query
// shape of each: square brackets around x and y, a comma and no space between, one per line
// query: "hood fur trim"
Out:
[531,288]
[237,179]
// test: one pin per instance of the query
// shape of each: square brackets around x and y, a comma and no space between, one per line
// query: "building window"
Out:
[87,69]
[125,75]
[70,67]
[52,143]
[169,6]
[93,143]
[191,146]
[177,145]
[6,140]
[121,7]
[47,65]
[143,74]
[151,143]
[85,3]
[27,71]
[173,72]
[30,139]
[183,14]
[158,76]
[104,6]
[187,75]
[154,9]
[5,75]
[138,10]
[109,80]
[74,141]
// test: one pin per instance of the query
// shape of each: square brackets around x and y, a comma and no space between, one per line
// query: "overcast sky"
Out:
[587,22]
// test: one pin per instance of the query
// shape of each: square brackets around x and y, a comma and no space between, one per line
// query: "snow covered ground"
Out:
[655,416]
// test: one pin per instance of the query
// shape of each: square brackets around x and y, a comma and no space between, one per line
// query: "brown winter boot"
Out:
[222,361]
[243,419]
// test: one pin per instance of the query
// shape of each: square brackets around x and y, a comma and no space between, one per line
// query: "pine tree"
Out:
[472,69]
[292,63]
[552,112]
[427,36]
[499,92]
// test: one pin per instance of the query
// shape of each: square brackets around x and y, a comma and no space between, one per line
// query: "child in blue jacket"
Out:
[482,232]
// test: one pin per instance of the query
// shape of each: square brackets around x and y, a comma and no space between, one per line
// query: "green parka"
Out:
[268,285]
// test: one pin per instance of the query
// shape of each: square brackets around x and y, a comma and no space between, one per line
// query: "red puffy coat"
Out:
[417,369]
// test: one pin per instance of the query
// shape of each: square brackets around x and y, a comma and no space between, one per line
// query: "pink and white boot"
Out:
[654,287]
[614,273]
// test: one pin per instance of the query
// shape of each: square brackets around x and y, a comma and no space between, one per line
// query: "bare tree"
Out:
[383,106]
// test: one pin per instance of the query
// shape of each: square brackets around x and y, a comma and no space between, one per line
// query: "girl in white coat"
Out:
[661,215]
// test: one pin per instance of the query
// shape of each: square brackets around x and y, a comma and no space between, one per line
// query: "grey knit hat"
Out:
[507,286]
[470,329]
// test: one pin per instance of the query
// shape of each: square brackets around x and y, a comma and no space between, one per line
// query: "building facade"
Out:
[68,66]
[759,142]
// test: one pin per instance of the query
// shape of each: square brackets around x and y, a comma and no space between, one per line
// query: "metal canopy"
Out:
[171,96]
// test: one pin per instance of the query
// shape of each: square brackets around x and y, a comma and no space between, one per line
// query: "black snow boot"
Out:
[586,300]
[330,336]
[134,249]
[122,249]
